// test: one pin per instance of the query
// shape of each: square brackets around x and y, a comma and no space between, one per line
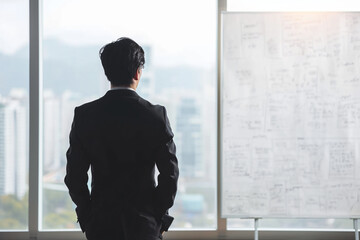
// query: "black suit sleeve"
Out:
[167,165]
[76,174]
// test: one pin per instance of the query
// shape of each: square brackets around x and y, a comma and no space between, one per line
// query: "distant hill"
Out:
[14,73]
[79,68]
[67,67]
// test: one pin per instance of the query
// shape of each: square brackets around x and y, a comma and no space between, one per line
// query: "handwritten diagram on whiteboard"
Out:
[291,115]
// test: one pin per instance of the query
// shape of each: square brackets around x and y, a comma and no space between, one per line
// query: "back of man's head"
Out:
[121,59]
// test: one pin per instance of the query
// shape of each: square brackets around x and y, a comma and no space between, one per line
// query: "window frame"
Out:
[35,158]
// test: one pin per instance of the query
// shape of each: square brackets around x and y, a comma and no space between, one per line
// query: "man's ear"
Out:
[138,74]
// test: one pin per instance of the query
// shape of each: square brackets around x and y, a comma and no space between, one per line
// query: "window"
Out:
[179,39]
[14,78]
[173,77]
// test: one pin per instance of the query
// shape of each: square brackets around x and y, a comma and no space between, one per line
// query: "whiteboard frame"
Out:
[223,13]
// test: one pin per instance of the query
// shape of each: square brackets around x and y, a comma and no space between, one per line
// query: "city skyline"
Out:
[188,94]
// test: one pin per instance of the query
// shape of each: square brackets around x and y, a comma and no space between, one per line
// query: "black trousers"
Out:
[129,225]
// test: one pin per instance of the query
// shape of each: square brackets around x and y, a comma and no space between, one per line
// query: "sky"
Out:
[179,32]
[14,25]
[176,30]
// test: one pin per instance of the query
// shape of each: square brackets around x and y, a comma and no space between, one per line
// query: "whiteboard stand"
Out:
[356,226]
[256,233]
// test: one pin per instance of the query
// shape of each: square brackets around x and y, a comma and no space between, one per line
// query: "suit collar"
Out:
[122,92]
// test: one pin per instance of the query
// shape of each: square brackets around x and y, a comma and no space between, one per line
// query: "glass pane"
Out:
[311,224]
[180,73]
[14,121]
[240,224]
[307,223]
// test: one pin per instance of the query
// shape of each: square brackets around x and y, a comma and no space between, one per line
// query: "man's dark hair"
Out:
[121,59]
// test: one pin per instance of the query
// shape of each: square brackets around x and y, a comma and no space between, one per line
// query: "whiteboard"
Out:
[290,115]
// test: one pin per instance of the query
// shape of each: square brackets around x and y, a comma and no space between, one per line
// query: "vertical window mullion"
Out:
[35,69]
[221,222]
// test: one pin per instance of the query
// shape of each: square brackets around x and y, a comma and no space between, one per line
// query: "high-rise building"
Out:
[2,146]
[13,144]
[189,141]
[147,84]
[69,100]
[51,138]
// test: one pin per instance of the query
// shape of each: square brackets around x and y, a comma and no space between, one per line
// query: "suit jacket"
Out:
[122,137]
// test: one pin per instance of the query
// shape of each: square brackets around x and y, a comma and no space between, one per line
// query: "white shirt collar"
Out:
[122,88]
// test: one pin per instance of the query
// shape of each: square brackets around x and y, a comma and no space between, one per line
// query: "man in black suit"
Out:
[122,137]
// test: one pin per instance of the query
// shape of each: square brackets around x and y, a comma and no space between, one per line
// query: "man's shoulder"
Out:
[147,104]
[159,119]
[155,110]
[88,106]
